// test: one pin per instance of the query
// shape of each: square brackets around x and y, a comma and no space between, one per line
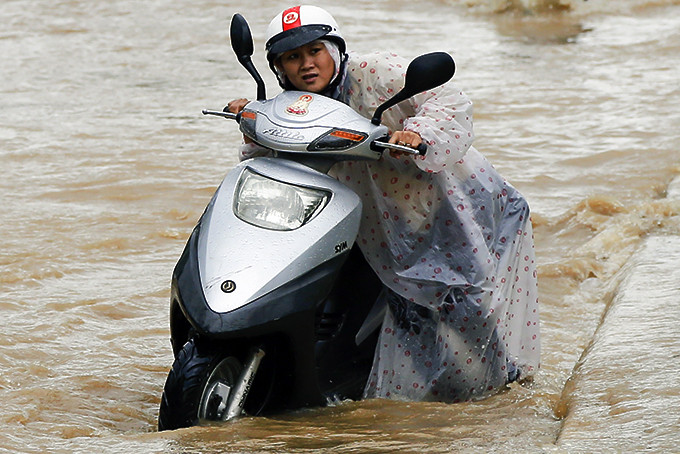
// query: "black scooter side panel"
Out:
[319,360]
[256,318]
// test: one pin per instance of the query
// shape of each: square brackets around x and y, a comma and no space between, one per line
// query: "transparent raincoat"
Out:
[452,242]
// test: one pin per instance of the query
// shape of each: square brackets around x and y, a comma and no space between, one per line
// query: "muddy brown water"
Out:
[107,164]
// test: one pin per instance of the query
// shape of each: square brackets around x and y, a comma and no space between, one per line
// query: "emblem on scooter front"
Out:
[341,247]
[283,134]
[228,286]
[300,107]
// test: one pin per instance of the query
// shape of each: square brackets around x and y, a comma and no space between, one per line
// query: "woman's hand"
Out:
[236,105]
[407,138]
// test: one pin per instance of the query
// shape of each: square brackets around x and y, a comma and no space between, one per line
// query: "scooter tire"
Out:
[184,387]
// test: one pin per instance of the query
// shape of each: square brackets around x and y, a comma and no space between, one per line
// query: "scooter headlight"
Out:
[274,205]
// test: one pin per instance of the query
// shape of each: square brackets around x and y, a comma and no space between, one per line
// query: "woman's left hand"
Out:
[407,138]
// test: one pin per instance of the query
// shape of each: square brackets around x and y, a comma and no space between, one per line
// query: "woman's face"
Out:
[309,67]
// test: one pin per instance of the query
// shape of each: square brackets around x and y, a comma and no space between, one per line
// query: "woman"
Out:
[448,237]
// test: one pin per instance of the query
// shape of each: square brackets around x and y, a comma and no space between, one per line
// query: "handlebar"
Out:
[421,150]
[228,115]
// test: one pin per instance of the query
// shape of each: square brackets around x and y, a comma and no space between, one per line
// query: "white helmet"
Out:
[300,25]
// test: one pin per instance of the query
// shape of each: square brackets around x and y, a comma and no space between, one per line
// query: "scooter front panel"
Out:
[240,262]
[294,120]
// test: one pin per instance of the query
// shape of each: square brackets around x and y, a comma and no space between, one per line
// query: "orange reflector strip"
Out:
[248,114]
[348,135]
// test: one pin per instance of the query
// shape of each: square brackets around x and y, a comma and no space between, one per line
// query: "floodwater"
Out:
[107,164]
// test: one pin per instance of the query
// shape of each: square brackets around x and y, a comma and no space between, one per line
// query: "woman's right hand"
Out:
[236,105]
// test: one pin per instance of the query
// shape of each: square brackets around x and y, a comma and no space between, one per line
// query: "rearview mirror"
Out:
[241,39]
[423,73]
[242,44]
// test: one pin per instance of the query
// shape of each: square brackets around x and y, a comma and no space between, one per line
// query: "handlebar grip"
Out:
[222,114]
[380,146]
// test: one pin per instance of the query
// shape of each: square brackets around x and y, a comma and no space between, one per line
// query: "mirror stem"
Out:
[377,115]
[247,63]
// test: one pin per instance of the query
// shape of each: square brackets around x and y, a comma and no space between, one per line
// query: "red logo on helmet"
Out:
[290,18]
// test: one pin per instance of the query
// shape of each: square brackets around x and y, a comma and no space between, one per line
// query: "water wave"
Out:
[611,230]
[577,7]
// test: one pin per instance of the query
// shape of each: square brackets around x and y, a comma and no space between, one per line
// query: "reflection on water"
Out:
[107,164]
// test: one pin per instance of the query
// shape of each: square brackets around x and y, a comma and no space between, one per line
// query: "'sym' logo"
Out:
[341,247]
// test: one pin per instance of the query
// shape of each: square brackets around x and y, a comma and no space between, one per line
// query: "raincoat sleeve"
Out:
[443,119]
[252,150]
[442,116]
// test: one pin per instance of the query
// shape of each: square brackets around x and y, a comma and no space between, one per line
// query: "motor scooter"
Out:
[272,305]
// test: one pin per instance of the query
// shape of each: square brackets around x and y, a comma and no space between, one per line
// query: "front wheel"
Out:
[197,387]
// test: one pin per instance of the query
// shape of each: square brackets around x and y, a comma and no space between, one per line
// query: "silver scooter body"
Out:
[239,260]
[312,124]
